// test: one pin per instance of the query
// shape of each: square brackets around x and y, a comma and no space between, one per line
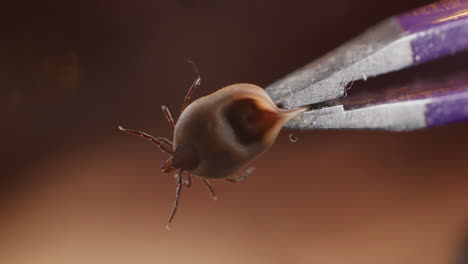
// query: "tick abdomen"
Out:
[229,129]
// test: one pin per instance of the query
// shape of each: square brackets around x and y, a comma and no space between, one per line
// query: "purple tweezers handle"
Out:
[449,100]
[440,29]
[447,111]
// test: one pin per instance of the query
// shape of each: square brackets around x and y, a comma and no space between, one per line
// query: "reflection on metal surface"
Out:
[461,14]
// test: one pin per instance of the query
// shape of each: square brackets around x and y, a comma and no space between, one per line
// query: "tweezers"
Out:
[422,63]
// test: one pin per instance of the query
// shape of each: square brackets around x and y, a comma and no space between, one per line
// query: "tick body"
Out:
[219,135]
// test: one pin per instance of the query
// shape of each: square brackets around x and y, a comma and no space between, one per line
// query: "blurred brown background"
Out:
[76,190]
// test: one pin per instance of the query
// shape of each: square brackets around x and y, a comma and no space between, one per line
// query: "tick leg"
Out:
[167,166]
[244,175]
[177,199]
[195,84]
[210,189]
[158,142]
[168,116]
[165,140]
[188,181]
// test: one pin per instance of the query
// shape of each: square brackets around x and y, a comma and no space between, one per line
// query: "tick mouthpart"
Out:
[286,115]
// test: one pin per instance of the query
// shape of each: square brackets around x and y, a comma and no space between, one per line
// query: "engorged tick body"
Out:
[219,135]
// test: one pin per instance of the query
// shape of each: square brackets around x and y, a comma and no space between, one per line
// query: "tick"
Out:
[217,136]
